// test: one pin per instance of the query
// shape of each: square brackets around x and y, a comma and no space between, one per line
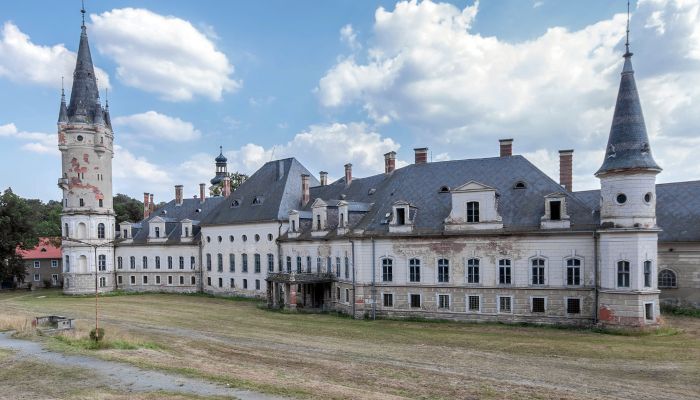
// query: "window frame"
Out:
[467,303]
[648,274]
[473,212]
[473,271]
[566,305]
[414,270]
[539,277]
[390,296]
[660,280]
[410,301]
[532,305]
[511,303]
[578,267]
[387,270]
[439,303]
[621,275]
[443,270]
[505,267]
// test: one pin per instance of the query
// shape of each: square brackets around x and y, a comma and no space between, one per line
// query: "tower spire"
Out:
[82,11]
[627,39]
[84,98]
[62,111]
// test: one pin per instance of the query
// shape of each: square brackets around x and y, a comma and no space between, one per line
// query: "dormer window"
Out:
[472,211]
[519,185]
[236,203]
[555,214]
[341,220]
[294,226]
[257,200]
[555,210]
[126,235]
[444,189]
[187,231]
[401,216]
[474,206]
[318,222]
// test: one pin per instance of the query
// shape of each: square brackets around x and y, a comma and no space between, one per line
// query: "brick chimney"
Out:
[324,178]
[506,147]
[389,162]
[146,207]
[305,195]
[421,155]
[566,166]
[178,195]
[348,174]
[227,187]
[202,196]
[151,203]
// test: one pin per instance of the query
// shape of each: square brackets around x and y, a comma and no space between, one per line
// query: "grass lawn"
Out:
[325,356]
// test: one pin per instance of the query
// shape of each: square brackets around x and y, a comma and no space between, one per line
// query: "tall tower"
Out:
[628,233]
[85,140]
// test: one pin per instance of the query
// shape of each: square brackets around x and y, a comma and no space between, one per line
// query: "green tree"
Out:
[127,208]
[237,179]
[16,231]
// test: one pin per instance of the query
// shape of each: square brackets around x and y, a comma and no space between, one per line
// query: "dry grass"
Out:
[17,323]
[328,357]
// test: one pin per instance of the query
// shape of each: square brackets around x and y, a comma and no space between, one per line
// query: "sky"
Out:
[332,82]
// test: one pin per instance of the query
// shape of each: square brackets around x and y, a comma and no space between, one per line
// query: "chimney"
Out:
[280,169]
[151,203]
[201,192]
[146,207]
[506,147]
[348,174]
[178,195]
[389,162]
[227,186]
[421,155]
[305,195]
[566,164]
[324,178]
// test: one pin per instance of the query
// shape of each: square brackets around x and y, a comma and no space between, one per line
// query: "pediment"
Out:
[156,220]
[472,186]
[555,195]
[319,203]
[186,221]
[293,212]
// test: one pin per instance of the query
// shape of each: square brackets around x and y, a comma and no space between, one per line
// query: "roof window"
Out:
[519,185]
[444,189]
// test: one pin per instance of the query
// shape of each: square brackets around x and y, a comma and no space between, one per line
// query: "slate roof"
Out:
[677,210]
[277,185]
[628,143]
[192,209]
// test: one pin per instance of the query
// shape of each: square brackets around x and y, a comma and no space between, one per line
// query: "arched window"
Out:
[473,211]
[82,230]
[100,230]
[667,279]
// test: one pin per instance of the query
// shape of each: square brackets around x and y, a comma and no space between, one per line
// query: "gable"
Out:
[472,186]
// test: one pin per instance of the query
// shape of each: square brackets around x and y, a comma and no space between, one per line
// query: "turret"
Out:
[63,110]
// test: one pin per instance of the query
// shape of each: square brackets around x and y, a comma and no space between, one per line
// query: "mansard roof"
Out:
[277,185]
[677,210]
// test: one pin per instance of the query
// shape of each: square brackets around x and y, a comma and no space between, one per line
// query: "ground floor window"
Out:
[257,284]
[193,280]
[414,300]
[132,279]
[649,311]
[573,306]
[208,280]
[182,280]
[538,304]
[337,293]
[245,284]
[473,303]
[667,279]
[347,295]
[170,279]
[221,282]
[145,279]
[103,281]
[232,283]
[119,279]
[37,277]
[444,301]
[388,299]
[157,279]
[505,304]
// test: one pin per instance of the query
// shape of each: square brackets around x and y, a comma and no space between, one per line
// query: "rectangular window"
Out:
[573,272]
[298,264]
[308,264]
[66,267]
[256,263]
[649,311]
[157,262]
[538,271]
[443,270]
[347,268]
[145,279]
[221,282]
[37,264]
[145,262]
[444,301]
[132,279]
[82,202]
[170,279]
[473,270]
[182,262]
[388,299]
[414,300]
[244,262]
[319,265]
[473,303]
[220,262]
[573,306]
[119,279]
[120,262]
[182,280]
[208,262]
[170,262]
[37,277]
[504,275]
[54,263]
[414,270]
[102,262]
[157,279]
[245,284]
[538,304]
[473,211]
[270,262]
[193,280]
[505,304]
[193,261]
[100,202]
[400,216]
[555,210]
[387,269]
[257,284]
[289,264]
[623,274]
[132,262]
[208,281]
[647,274]
[347,295]
[337,267]
[232,283]
[329,265]
[231,262]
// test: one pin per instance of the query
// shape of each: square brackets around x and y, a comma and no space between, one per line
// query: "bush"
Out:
[97,335]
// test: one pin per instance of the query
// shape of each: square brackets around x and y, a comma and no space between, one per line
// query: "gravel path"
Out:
[125,377]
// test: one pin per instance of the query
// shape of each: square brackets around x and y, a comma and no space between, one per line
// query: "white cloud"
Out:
[349,37]
[537,4]
[163,54]
[25,62]
[153,125]
[38,142]
[428,71]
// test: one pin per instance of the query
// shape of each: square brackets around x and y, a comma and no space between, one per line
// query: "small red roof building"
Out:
[47,248]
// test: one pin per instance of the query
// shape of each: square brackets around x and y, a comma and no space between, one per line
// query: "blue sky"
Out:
[345,81]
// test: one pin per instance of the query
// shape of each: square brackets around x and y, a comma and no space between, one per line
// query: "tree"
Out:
[237,179]
[16,231]
[127,209]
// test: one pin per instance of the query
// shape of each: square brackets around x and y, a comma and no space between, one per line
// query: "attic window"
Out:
[235,203]
[520,185]
[371,191]
[257,200]
[400,216]
[555,210]
[43,250]
[444,189]
[164,212]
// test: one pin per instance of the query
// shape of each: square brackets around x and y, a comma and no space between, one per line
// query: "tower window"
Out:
[100,231]
[647,197]
[79,138]
[621,198]
[82,203]
[623,274]
[100,203]
[647,274]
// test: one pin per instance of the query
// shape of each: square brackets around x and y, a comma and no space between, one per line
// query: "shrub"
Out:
[97,334]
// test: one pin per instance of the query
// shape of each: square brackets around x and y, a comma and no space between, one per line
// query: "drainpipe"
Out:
[352,244]
[374,288]
[279,261]
[596,275]
[200,289]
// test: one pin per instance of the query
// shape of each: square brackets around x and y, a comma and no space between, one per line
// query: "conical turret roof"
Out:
[84,98]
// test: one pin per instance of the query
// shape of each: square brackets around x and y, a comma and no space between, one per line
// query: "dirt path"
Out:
[125,377]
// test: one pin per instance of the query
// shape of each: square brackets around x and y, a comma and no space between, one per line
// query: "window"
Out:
[443,301]
[257,237]
[120,262]
[387,269]
[182,280]
[132,262]
[187,231]
[667,279]
[170,279]
[37,264]
[145,279]
[538,304]
[244,238]
[414,300]
[170,262]
[329,265]
[65,228]
[245,284]
[193,280]
[257,284]
[505,304]
[219,238]
[474,303]
[144,263]
[232,283]
[271,262]
[66,266]
[132,279]
[519,185]
[347,268]
[537,271]
[573,306]
[221,282]
[443,270]
[119,279]
[82,202]
[318,265]
[182,262]
[269,237]
[157,262]
[220,262]
[573,271]
[100,231]
[103,281]
[337,267]
[347,295]
[208,280]
[126,234]
[157,279]
[100,203]
[337,293]
[647,274]
[192,262]
[289,264]
[623,274]
[298,264]
[414,270]
[208,262]
[504,275]
[294,225]
[555,210]
[400,216]
[649,311]
[621,198]
[157,231]
[473,211]
[473,270]
[37,277]
[648,197]
[318,222]
[231,262]
[308,264]
[244,262]
[102,262]
[388,299]
[341,220]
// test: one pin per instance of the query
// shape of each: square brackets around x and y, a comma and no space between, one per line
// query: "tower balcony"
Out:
[63,183]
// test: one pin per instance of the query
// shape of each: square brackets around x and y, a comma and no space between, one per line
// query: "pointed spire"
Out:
[628,143]
[108,120]
[63,111]
[84,96]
